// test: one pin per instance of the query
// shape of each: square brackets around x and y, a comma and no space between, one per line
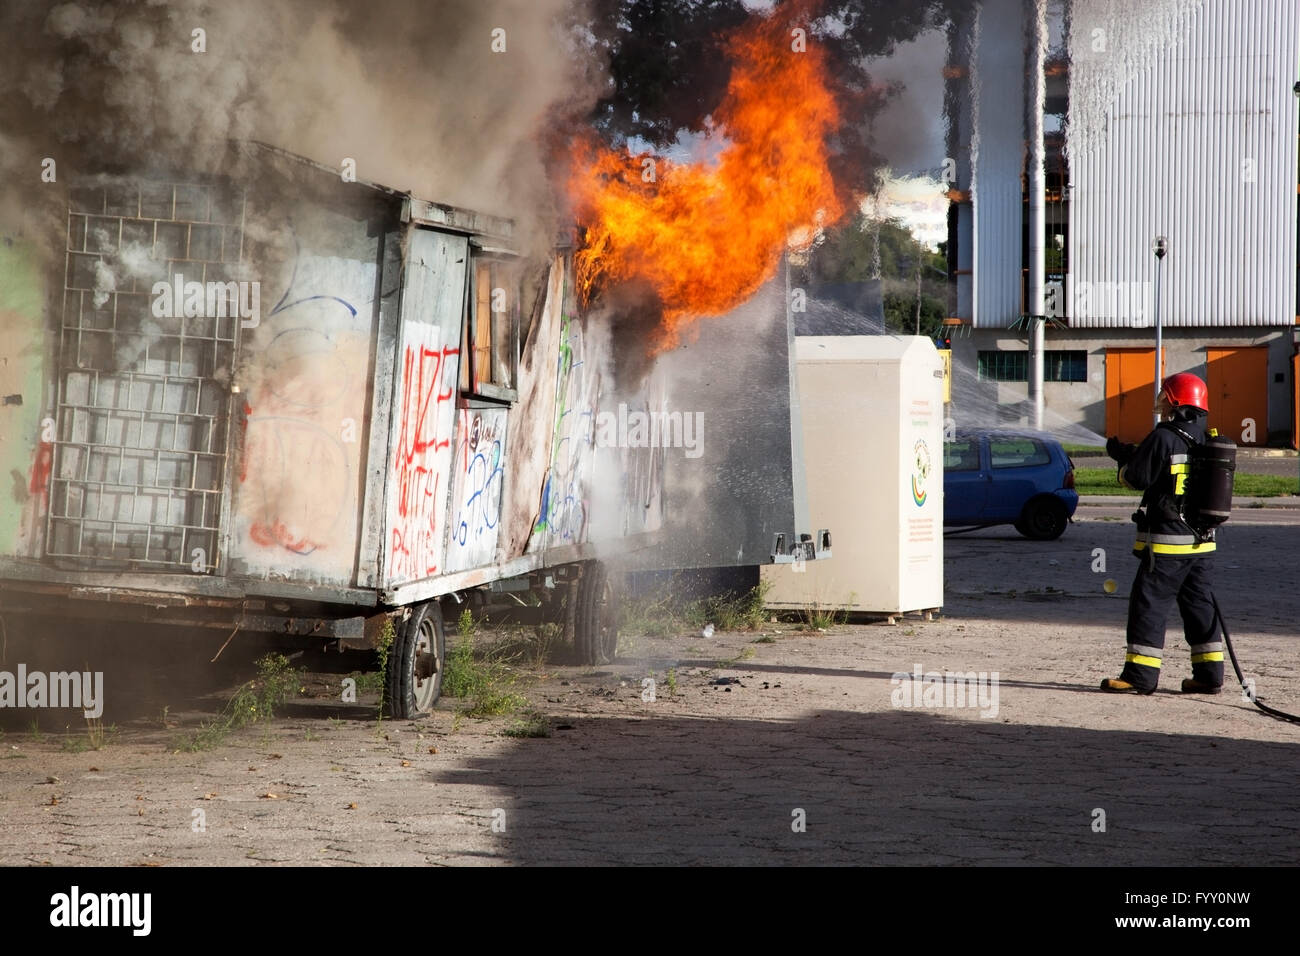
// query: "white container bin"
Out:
[872,414]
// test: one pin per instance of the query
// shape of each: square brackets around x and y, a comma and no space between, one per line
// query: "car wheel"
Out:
[415,664]
[1043,519]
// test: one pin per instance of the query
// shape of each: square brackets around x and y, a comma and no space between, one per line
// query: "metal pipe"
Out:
[1160,246]
[1037,184]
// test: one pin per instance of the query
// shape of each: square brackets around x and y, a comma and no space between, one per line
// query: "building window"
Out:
[1004,366]
[1058,366]
[1065,366]
[491,330]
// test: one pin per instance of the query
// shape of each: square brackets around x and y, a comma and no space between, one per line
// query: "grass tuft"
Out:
[533,724]
[664,615]
[253,703]
[482,681]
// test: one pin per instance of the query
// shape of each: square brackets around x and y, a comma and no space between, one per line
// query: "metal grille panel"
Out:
[143,400]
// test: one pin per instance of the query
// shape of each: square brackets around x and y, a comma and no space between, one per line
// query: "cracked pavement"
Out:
[724,774]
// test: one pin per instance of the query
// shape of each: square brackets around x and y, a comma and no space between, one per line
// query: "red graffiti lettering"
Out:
[278,535]
[243,464]
[40,480]
[413,550]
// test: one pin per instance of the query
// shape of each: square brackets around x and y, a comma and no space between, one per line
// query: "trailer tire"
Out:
[416,662]
[595,615]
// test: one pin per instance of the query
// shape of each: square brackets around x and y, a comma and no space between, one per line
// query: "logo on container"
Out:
[920,471]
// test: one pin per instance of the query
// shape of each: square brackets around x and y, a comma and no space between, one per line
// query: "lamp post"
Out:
[1160,246]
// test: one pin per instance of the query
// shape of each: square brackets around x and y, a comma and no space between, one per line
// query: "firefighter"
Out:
[1175,559]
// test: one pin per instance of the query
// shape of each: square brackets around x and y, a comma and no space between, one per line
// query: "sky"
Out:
[910,133]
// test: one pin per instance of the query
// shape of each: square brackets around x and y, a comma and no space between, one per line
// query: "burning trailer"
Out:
[281,403]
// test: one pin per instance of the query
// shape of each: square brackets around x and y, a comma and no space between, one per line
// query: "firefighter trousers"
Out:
[1186,581]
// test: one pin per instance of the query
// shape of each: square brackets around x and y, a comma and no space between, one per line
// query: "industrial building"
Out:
[1168,118]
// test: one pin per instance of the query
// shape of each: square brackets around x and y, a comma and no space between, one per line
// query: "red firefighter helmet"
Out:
[1186,389]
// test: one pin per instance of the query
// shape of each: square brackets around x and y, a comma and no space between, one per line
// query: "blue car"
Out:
[1023,478]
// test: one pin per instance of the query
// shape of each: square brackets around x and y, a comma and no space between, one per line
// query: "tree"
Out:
[848,253]
[669,74]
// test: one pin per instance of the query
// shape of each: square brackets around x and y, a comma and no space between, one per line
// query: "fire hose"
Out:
[1249,691]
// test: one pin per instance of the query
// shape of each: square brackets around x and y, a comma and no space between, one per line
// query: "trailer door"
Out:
[424,406]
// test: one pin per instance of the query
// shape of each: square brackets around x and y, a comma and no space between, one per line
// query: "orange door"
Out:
[1130,393]
[1238,380]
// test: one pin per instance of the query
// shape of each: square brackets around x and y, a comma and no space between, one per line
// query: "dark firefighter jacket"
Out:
[1160,469]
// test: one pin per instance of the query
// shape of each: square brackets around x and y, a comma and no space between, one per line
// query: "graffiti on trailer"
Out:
[427,386]
[297,472]
[482,475]
[563,513]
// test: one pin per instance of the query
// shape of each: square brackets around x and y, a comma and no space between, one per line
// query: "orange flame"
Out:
[706,236]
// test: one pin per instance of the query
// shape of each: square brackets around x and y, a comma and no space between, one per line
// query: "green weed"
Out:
[651,616]
[663,615]
[97,736]
[386,638]
[254,702]
[481,681]
[531,646]
[369,682]
[533,724]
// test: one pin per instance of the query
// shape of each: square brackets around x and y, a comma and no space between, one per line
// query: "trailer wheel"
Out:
[416,662]
[595,615]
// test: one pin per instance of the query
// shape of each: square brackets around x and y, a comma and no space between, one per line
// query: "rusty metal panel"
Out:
[479,470]
[433,303]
